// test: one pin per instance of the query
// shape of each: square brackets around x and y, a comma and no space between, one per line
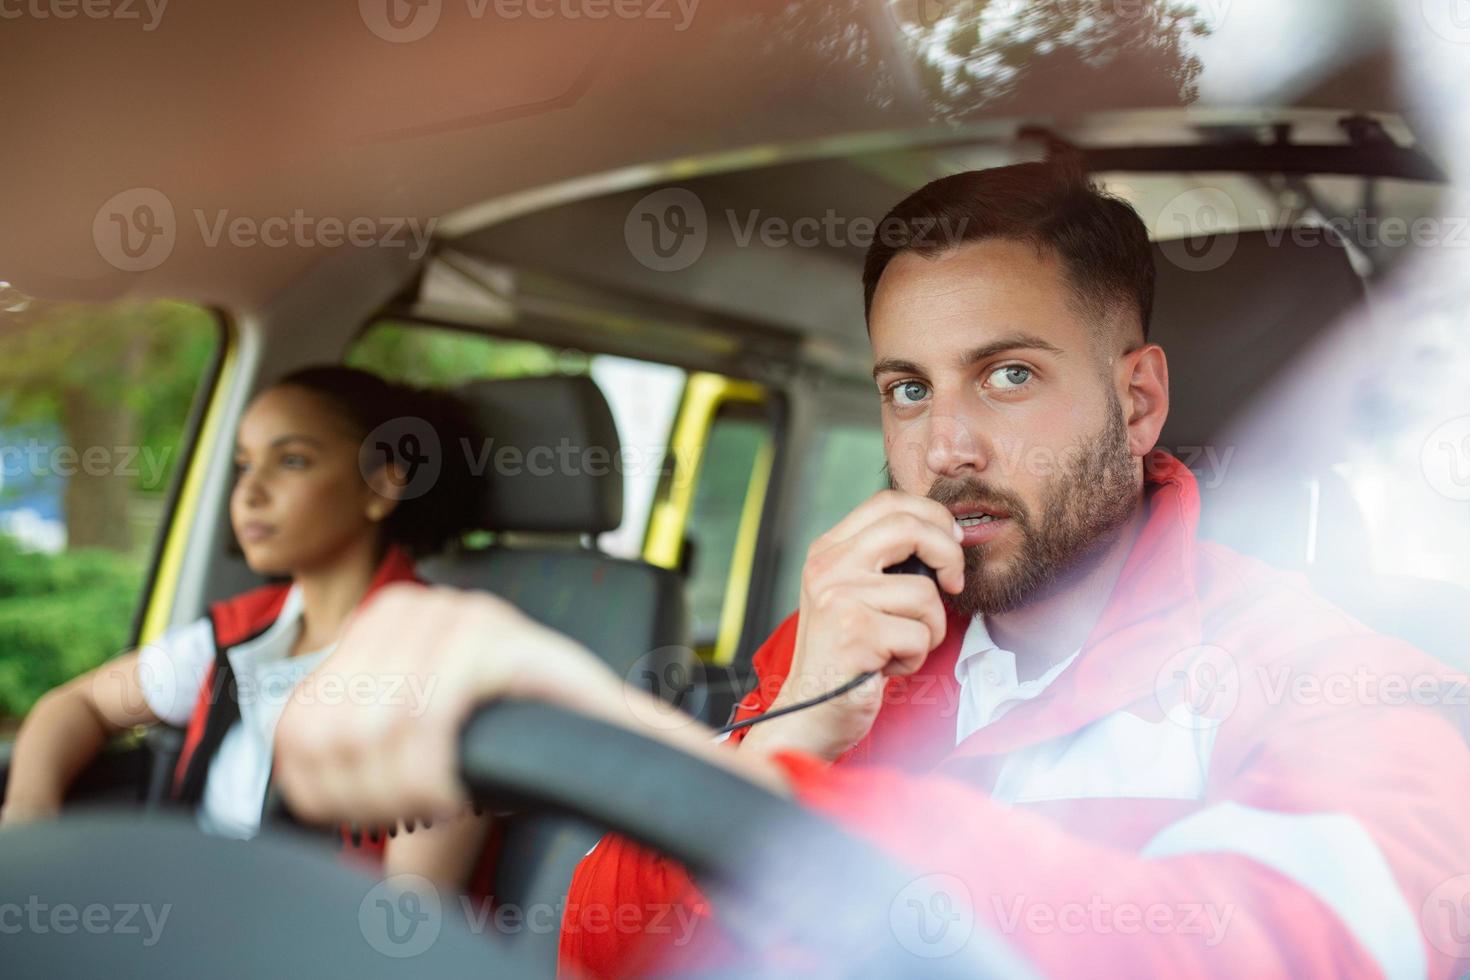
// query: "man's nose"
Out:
[955,447]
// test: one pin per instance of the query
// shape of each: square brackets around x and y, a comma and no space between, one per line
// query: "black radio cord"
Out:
[909,566]
[799,706]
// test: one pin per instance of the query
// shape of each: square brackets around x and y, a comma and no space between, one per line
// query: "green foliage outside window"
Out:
[118,379]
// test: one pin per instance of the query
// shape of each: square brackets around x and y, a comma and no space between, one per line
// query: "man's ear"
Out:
[1144,385]
[386,489]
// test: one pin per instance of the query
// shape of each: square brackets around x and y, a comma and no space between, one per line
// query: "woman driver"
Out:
[310,505]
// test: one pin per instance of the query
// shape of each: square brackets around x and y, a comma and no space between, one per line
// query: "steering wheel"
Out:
[281,905]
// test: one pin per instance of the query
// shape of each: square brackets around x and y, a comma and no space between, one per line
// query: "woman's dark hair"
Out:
[414,427]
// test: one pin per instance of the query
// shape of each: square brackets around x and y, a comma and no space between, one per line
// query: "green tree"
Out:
[443,358]
[60,615]
[113,376]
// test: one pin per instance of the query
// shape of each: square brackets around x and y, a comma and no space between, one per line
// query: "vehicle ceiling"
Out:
[531,139]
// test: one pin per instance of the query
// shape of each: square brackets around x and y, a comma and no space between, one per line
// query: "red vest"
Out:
[238,621]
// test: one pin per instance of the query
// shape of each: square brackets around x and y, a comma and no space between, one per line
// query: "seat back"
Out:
[631,614]
[1229,325]
[549,446]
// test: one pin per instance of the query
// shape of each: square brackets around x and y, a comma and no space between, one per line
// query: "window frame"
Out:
[182,500]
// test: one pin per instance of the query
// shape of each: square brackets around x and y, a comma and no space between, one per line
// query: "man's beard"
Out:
[1081,513]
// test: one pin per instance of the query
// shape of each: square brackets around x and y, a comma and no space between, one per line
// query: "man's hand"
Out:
[854,618]
[411,666]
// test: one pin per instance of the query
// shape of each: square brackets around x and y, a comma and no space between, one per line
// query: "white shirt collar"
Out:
[268,645]
[987,678]
[265,671]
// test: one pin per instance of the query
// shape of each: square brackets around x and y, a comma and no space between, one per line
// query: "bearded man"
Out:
[1078,712]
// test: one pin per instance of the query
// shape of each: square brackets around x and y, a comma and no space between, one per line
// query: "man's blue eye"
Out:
[909,392]
[1010,376]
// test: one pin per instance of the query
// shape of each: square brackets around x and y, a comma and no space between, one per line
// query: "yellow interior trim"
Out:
[663,543]
[181,521]
[742,561]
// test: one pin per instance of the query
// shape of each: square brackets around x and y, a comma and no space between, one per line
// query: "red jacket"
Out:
[1233,778]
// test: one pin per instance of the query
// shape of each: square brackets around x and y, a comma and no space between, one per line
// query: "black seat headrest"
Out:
[1235,313]
[1232,310]
[549,453]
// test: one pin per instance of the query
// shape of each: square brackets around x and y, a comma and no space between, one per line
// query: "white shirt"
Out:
[987,678]
[174,668]
[1118,755]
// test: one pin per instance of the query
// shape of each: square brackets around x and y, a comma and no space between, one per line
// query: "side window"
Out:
[439,357]
[706,521]
[736,456]
[844,468]
[96,403]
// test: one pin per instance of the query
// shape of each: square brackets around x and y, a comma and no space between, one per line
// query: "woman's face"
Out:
[300,500]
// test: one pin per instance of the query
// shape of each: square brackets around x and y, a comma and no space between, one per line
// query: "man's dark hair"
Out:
[1102,243]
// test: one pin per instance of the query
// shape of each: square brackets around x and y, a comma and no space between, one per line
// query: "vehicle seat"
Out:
[550,449]
[1270,490]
